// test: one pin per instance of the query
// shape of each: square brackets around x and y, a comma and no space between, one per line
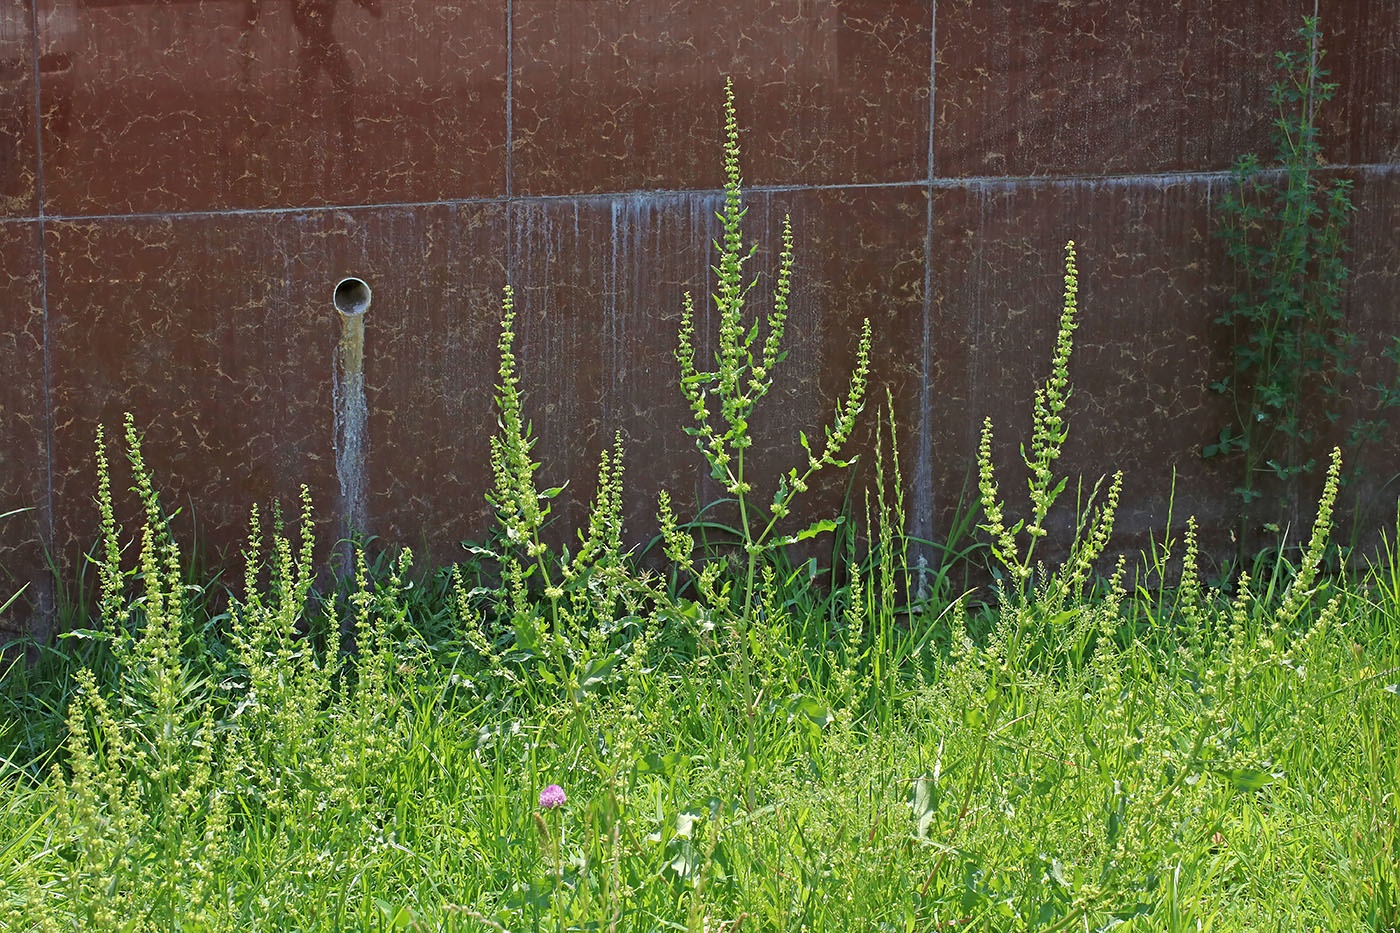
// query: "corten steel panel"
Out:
[19,159]
[1362,122]
[1144,351]
[1373,313]
[430,365]
[626,96]
[1035,87]
[213,104]
[600,287]
[217,334]
[23,426]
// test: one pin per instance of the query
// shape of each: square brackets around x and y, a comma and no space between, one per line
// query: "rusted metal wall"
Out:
[183,182]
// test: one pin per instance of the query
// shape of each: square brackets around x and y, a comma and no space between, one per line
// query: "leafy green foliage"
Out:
[1284,231]
[280,782]
[740,380]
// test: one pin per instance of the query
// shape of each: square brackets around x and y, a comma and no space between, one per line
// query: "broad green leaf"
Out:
[1248,779]
[686,861]
[811,531]
[598,671]
[809,709]
[664,765]
[84,634]
[923,803]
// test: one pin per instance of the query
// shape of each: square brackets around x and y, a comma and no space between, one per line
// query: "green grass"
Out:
[1178,763]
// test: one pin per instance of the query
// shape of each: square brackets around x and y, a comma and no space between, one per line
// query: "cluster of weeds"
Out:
[545,738]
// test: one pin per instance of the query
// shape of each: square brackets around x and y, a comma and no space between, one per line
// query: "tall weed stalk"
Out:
[743,374]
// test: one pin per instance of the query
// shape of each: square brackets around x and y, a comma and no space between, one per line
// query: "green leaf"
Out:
[599,671]
[1248,779]
[811,531]
[686,861]
[665,766]
[800,705]
[1141,909]
[85,634]
[394,918]
[923,803]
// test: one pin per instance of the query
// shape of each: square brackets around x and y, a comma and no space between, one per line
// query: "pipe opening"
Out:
[352,296]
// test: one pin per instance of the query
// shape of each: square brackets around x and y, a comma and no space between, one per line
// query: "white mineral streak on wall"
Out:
[351,437]
[629,221]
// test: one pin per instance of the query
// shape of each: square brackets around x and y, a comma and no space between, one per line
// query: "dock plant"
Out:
[743,374]
[1027,586]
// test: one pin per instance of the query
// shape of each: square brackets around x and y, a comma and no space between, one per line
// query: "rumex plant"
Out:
[742,376]
[1049,430]
[585,594]
[595,572]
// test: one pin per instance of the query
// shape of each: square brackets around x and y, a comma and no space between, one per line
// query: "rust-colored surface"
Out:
[18,161]
[24,466]
[1103,87]
[1373,311]
[217,333]
[192,179]
[1363,42]
[430,366]
[1038,87]
[220,104]
[622,96]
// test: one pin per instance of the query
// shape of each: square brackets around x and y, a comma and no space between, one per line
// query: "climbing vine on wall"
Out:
[1284,229]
